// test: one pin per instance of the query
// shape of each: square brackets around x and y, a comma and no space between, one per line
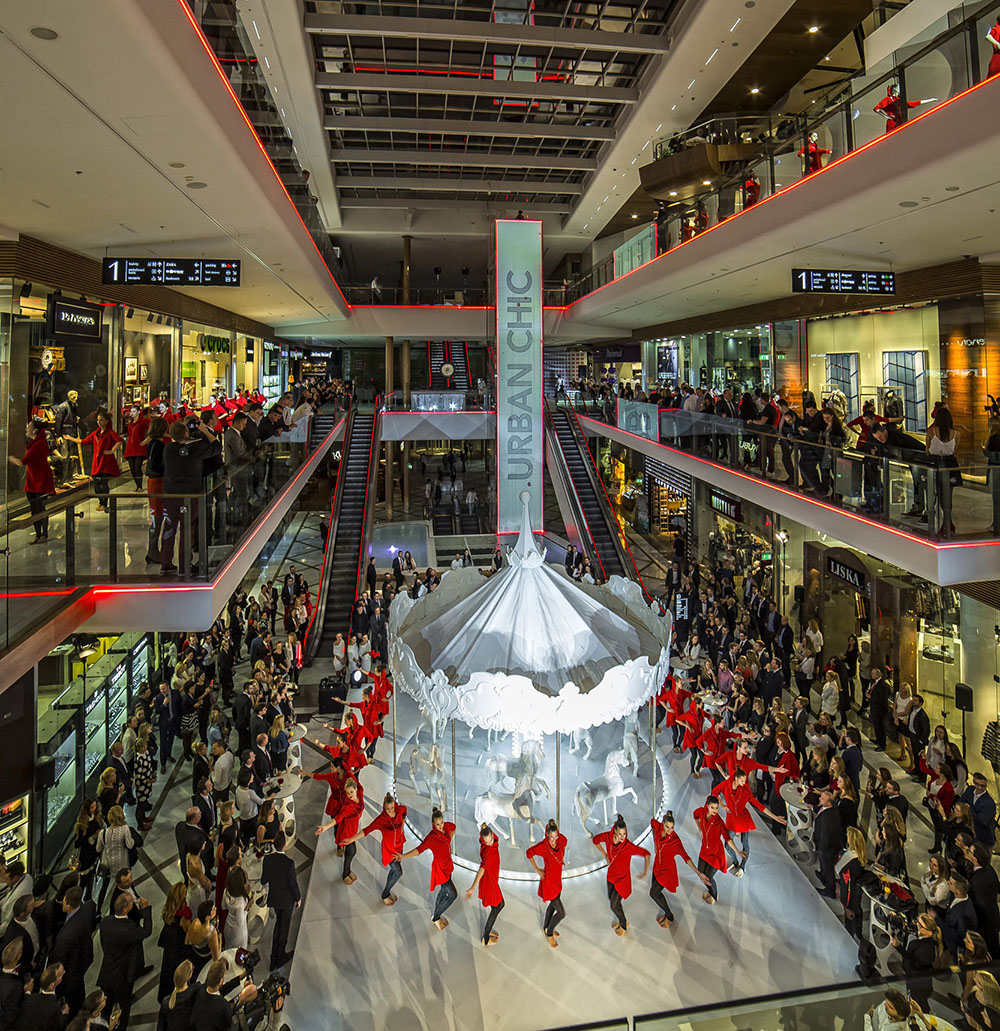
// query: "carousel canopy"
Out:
[529,647]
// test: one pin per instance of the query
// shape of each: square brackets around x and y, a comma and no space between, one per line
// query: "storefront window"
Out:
[737,358]
[271,382]
[147,348]
[206,364]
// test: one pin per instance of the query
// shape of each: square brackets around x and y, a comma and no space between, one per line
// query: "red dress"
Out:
[439,842]
[136,434]
[348,816]
[893,109]
[666,851]
[38,477]
[102,464]
[816,153]
[489,884]
[738,818]
[393,829]
[790,767]
[713,834]
[550,884]
[994,66]
[619,861]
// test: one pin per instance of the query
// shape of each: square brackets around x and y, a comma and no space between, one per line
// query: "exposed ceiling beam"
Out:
[464,30]
[465,158]
[453,85]
[432,203]
[389,182]
[462,127]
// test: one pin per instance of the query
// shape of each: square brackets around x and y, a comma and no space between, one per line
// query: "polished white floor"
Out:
[362,966]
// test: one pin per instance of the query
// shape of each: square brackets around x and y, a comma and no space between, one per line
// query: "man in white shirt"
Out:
[471,500]
[18,883]
[223,763]
[894,1014]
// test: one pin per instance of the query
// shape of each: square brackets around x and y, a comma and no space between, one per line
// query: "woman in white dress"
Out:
[237,899]
[941,441]
[339,656]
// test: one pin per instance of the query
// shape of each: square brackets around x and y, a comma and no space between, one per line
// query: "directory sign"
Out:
[171,272]
[519,371]
[842,281]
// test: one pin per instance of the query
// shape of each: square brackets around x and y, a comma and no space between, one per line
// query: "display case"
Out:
[95,720]
[139,659]
[15,830]
[60,797]
[117,701]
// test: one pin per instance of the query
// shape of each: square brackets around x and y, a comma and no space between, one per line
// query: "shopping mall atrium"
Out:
[475,467]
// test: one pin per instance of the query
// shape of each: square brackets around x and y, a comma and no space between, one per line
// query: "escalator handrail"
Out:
[311,642]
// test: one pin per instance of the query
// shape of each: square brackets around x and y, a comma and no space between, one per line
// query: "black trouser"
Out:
[350,851]
[938,821]
[678,734]
[656,894]
[827,861]
[282,925]
[709,871]
[878,718]
[142,811]
[615,901]
[446,895]
[120,996]
[554,913]
[135,467]
[102,489]
[490,921]
[696,758]
[36,502]
[173,526]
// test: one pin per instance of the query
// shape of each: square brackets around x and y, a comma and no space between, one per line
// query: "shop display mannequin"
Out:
[751,190]
[891,108]
[816,152]
[41,387]
[66,429]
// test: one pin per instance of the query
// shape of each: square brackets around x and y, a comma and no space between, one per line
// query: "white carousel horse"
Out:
[523,771]
[427,762]
[433,726]
[581,738]
[608,788]
[492,804]
[501,735]
[630,742]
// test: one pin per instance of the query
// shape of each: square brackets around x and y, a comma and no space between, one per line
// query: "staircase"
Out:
[347,543]
[441,352]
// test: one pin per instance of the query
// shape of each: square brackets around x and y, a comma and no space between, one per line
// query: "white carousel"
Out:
[529,691]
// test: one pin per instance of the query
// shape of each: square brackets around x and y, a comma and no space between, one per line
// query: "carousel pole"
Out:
[394,761]
[558,784]
[652,748]
[454,776]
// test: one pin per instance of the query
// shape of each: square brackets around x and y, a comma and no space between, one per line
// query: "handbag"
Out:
[137,842]
[189,722]
[954,474]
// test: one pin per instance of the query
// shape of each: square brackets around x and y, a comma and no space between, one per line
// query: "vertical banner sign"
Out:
[519,371]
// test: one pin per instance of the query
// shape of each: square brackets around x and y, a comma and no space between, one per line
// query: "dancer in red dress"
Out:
[38,478]
[438,841]
[892,108]
[735,795]
[815,154]
[392,823]
[994,40]
[616,848]
[667,847]
[488,881]
[712,856]
[107,446]
[346,820]
[551,850]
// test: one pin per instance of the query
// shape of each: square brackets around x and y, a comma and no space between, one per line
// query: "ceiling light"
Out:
[41,32]
[673,193]
[196,185]
[674,108]
[634,215]
[952,189]
[813,29]
[735,23]
[709,61]
[706,182]
[755,90]
[256,30]
[659,127]
[692,82]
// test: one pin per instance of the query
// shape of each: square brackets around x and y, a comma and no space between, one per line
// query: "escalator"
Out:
[343,561]
[448,352]
[599,531]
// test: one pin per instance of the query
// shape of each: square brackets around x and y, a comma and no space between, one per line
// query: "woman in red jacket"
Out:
[438,841]
[551,850]
[38,479]
[616,848]
[788,768]
[346,821]
[107,446]
[488,881]
[667,847]
[391,822]
[135,436]
[712,857]
[736,797]
[939,799]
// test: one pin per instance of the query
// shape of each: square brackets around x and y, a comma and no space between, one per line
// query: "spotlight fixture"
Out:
[26,289]
[357,678]
[86,645]
[130,313]
[813,29]
[755,90]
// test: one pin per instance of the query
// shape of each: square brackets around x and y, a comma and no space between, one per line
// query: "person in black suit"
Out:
[242,712]
[984,809]
[211,1011]
[784,647]
[260,647]
[190,836]
[918,730]
[800,729]
[959,917]
[828,836]
[44,1010]
[11,987]
[772,682]
[262,765]
[121,966]
[878,707]
[73,946]
[850,752]
[118,764]
[22,927]
[895,798]
[919,955]
[397,570]
[278,874]
[205,804]
[984,887]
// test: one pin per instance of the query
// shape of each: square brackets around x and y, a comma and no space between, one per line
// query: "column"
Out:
[404,371]
[389,361]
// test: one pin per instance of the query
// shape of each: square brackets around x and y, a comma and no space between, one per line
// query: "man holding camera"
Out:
[212,1011]
[184,463]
